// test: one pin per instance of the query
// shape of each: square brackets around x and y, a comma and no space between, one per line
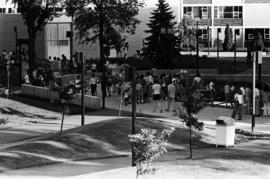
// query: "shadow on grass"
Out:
[74,109]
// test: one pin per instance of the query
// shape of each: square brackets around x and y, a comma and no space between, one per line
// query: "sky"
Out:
[151,3]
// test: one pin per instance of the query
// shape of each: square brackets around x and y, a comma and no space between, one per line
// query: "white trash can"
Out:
[225,131]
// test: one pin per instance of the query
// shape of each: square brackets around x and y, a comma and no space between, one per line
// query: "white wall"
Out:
[227,2]
[257,15]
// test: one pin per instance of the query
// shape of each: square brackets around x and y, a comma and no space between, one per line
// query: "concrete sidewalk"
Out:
[208,115]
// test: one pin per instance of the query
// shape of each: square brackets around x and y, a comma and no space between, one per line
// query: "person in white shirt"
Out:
[93,84]
[171,96]
[238,105]
[156,95]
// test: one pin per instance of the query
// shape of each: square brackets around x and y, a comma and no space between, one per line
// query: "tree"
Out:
[228,41]
[162,42]
[97,16]
[36,14]
[258,44]
[65,93]
[193,103]
[187,34]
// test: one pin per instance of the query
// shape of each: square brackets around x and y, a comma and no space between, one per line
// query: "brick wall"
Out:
[231,22]
[197,1]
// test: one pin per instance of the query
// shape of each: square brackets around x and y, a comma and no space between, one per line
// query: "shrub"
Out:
[148,145]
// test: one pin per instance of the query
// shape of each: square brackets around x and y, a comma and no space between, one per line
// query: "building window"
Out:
[2,10]
[9,10]
[188,11]
[228,12]
[201,12]
[267,34]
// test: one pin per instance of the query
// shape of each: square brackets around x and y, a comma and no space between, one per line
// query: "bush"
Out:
[148,145]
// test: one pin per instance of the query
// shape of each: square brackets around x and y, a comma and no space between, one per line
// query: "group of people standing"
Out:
[240,99]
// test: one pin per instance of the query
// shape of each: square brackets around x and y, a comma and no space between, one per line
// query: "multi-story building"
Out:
[250,17]
[52,41]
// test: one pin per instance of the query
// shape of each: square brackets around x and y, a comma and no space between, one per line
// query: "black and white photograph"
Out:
[134,89]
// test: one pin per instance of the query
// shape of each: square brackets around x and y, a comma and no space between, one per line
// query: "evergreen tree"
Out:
[228,41]
[161,44]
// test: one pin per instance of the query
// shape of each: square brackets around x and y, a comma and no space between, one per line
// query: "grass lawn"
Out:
[99,140]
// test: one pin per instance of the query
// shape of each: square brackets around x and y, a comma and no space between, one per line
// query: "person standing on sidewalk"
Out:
[156,95]
[227,93]
[266,102]
[238,105]
[171,96]
[248,100]
[212,92]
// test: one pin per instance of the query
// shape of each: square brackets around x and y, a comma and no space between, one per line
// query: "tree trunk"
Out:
[32,49]
[62,122]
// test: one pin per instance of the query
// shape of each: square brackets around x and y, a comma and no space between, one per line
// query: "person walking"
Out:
[93,84]
[227,93]
[171,96]
[257,102]
[238,105]
[156,95]
[248,100]
[212,92]
[266,102]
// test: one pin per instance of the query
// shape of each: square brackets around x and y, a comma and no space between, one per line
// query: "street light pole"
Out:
[208,39]
[218,31]
[253,90]
[197,49]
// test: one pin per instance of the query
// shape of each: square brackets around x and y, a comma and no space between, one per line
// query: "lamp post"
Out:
[218,31]
[236,32]
[197,49]
[16,53]
[208,39]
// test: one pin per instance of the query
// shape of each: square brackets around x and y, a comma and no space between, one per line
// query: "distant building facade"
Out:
[249,16]
[52,41]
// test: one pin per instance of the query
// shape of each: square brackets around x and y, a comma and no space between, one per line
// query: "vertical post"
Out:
[235,51]
[71,38]
[218,44]
[253,90]
[16,53]
[133,72]
[259,59]
[197,49]
[82,87]
[101,42]
[208,39]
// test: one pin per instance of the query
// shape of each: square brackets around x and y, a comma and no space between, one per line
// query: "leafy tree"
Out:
[97,16]
[228,41]
[187,34]
[193,103]
[36,14]
[258,43]
[161,45]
